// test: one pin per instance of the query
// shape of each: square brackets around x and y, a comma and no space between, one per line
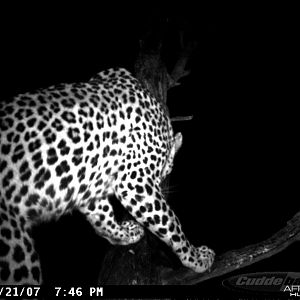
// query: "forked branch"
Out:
[152,72]
[180,68]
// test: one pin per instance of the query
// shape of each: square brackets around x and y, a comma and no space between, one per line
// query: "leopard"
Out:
[72,146]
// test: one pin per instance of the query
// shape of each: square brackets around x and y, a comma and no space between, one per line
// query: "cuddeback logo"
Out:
[267,282]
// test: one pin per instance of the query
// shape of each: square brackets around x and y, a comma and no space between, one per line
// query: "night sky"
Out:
[234,181]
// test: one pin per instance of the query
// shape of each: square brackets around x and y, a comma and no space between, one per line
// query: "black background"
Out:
[235,180]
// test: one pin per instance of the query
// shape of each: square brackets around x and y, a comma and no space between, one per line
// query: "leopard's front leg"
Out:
[148,206]
[101,215]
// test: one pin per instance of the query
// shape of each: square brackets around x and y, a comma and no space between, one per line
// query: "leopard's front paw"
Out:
[200,259]
[134,231]
[206,257]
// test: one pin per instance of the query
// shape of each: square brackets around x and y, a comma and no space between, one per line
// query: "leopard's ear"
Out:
[178,141]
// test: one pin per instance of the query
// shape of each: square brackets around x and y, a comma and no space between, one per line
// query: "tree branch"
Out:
[237,259]
[181,118]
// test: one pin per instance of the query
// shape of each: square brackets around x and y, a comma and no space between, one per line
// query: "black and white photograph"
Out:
[149,151]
